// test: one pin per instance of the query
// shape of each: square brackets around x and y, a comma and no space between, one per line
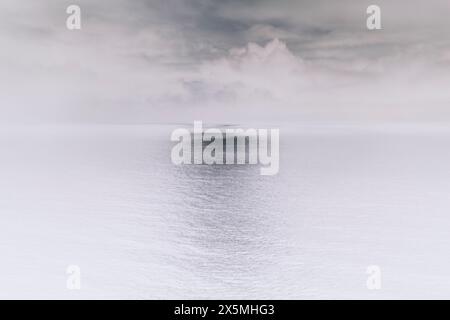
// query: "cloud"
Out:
[271,79]
[163,60]
[253,74]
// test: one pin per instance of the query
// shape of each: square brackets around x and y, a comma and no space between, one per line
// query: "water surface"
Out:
[108,199]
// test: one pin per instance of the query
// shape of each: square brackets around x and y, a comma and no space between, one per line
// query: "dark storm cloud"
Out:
[208,28]
[211,27]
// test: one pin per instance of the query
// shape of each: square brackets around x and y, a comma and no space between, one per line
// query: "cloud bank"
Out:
[169,61]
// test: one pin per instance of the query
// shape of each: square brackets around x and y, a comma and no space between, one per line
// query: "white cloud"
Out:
[254,73]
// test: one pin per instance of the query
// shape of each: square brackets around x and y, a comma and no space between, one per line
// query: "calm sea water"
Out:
[108,199]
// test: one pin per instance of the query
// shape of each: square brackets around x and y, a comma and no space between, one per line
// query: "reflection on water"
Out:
[109,200]
[223,207]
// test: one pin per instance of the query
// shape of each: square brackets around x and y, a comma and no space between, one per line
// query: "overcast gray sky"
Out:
[229,60]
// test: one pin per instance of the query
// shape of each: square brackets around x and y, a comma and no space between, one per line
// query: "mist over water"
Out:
[108,199]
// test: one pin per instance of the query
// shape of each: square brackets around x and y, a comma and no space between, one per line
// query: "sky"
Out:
[146,61]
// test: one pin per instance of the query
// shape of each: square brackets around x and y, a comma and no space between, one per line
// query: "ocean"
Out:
[108,199]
